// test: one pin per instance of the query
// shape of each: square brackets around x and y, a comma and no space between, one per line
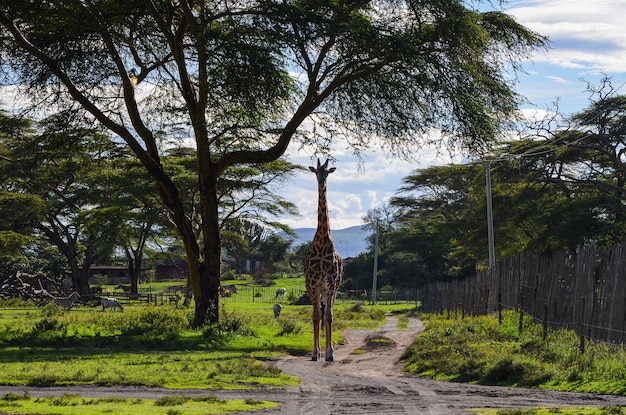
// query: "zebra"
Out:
[67,302]
[277,309]
[111,303]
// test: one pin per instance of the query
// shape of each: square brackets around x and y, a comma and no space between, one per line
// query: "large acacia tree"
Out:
[240,78]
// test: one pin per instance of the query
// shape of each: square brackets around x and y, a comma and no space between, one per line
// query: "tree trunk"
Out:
[134,271]
[207,306]
[204,259]
[80,275]
[81,284]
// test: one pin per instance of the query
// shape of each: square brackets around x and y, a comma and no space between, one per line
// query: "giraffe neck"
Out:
[323,224]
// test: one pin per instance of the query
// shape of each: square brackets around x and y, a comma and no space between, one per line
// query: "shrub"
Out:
[51,309]
[229,324]
[505,371]
[289,327]
[152,323]
[171,400]
[49,324]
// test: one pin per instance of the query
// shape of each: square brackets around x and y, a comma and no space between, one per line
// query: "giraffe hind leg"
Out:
[328,328]
[329,341]
[317,319]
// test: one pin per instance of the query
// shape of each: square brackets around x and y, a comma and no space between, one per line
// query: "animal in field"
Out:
[356,294]
[67,302]
[322,268]
[280,293]
[111,303]
[232,288]
[125,288]
[96,289]
[224,292]
[277,309]
[174,289]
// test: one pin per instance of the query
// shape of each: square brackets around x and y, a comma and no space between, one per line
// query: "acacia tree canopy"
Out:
[240,78]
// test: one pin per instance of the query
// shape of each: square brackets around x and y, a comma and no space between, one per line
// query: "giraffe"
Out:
[322,268]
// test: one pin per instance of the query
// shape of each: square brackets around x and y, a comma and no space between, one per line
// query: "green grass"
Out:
[403,323]
[479,350]
[168,405]
[154,346]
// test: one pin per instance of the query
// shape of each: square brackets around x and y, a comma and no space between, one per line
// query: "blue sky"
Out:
[587,41]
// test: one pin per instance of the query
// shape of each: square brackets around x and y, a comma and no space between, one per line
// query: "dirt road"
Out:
[364,383]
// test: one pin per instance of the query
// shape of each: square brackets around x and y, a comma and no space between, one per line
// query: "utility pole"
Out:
[374,277]
[492,260]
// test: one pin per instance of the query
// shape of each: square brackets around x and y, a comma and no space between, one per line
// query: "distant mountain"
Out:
[349,242]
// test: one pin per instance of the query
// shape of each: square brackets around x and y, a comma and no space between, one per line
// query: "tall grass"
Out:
[480,350]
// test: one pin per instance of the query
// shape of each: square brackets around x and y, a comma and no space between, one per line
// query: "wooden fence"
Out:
[585,291]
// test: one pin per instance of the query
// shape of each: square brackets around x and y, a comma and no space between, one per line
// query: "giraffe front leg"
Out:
[329,340]
[316,340]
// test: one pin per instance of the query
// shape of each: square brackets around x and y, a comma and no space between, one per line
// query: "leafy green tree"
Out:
[248,204]
[220,74]
[447,200]
[273,249]
[569,188]
[128,195]
[52,164]
[357,272]
[17,209]
[554,191]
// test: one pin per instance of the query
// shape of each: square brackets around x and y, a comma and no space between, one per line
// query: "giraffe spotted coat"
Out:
[322,268]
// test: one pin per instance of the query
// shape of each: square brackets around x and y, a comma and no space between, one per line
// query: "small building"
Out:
[172,270]
[114,274]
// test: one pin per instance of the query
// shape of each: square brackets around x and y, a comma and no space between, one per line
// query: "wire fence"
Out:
[295,295]
[585,291]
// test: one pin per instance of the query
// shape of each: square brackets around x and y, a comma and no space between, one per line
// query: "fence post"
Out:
[545,321]
[520,326]
[623,323]
[581,324]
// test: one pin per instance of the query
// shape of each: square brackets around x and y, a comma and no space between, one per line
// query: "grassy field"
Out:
[154,346]
[168,405]
[480,350]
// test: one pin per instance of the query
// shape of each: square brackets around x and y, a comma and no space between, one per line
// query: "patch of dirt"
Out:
[377,342]
[369,381]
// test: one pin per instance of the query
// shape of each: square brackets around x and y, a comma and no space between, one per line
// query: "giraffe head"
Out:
[322,171]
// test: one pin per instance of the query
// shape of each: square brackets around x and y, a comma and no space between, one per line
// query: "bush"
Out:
[229,324]
[152,323]
[51,323]
[51,309]
[289,327]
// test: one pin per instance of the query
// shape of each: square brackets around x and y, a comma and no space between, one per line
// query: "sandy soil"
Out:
[364,383]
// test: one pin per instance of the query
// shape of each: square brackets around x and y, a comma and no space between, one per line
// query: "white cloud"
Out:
[584,34]
[355,187]
[558,79]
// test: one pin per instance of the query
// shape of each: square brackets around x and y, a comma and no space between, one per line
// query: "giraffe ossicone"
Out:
[322,268]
